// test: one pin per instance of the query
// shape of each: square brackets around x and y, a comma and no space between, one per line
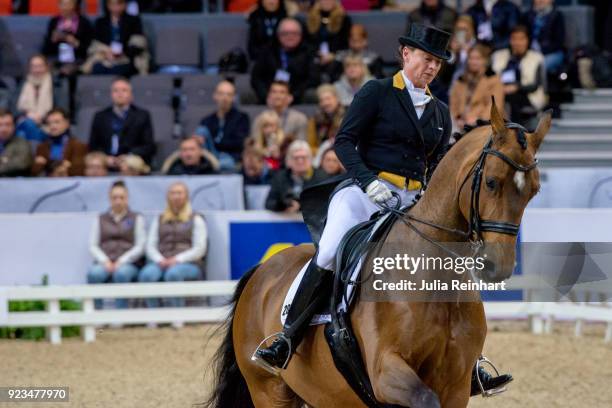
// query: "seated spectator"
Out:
[268,137]
[116,243]
[263,23]
[330,163]
[493,21]
[122,128]
[358,46]
[547,33]
[191,159]
[355,76]
[132,165]
[293,122]
[325,123]
[433,13]
[287,184]
[328,32]
[461,42]
[224,131]
[68,37]
[61,150]
[119,46]
[524,77]
[95,165]
[15,152]
[176,244]
[289,60]
[470,95]
[35,99]
[255,170]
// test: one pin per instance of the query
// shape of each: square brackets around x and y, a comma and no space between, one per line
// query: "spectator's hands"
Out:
[40,160]
[110,266]
[510,88]
[326,58]
[57,36]
[71,39]
[293,208]
[171,261]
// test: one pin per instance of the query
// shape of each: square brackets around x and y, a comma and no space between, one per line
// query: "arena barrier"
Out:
[541,315]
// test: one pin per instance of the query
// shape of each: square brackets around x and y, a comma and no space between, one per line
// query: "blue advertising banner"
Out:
[253,242]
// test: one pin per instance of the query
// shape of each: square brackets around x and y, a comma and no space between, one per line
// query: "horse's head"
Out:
[503,178]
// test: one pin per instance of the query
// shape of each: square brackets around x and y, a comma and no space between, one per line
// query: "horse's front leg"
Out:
[395,382]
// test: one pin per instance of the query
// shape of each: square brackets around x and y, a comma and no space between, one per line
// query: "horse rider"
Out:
[393,135]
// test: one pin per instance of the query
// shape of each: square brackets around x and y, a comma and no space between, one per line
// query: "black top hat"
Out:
[428,39]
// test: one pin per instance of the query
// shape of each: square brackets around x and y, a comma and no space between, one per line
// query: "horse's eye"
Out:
[491,183]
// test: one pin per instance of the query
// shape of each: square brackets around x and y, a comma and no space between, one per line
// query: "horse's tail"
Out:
[230,389]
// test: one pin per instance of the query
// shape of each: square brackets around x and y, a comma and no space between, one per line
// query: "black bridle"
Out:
[477,225]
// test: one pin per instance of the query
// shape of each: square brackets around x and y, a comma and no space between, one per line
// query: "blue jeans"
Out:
[152,272]
[553,61]
[123,274]
[29,130]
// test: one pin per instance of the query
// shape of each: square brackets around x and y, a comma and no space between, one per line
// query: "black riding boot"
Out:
[313,291]
[491,385]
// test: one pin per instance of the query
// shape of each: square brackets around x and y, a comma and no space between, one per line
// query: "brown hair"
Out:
[359,30]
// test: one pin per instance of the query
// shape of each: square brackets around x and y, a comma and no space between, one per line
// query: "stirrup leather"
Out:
[494,391]
[263,363]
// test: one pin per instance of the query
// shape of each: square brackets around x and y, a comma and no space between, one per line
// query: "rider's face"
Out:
[420,67]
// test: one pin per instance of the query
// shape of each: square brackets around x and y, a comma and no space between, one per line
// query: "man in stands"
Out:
[293,122]
[224,131]
[122,128]
[191,159]
[15,152]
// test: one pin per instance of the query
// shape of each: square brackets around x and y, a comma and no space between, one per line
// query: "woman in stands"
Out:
[176,244]
[117,242]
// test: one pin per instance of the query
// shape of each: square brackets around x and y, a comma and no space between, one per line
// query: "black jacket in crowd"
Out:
[235,130]
[84,34]
[262,29]
[504,17]
[128,26]
[178,168]
[281,188]
[136,135]
[382,123]
[552,34]
[301,66]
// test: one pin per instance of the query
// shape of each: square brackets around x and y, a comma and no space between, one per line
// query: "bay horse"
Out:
[416,354]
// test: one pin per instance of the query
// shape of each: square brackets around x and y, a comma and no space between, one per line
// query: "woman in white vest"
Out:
[523,74]
[176,244]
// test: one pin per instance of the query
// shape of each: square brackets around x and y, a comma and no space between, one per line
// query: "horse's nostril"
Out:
[488,272]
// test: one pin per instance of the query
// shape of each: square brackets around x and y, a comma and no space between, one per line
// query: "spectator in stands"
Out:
[358,46]
[224,131]
[176,244]
[263,24]
[547,33]
[470,95]
[133,165]
[15,152]
[116,243]
[95,165]
[433,13]
[255,170]
[524,77]
[68,37]
[122,128]
[330,163]
[35,99]
[61,151]
[462,41]
[324,125]
[355,76]
[290,60]
[119,46]
[328,32]
[293,122]
[287,184]
[191,159]
[493,21]
[268,137]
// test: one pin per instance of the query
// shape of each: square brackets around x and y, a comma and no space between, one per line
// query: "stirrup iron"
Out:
[263,363]
[492,392]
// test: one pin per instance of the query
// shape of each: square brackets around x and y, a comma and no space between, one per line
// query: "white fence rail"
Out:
[540,314]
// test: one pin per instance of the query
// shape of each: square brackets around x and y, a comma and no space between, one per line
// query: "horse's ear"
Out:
[497,123]
[536,138]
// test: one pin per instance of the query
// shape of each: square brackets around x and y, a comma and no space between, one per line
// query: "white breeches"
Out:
[349,207]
